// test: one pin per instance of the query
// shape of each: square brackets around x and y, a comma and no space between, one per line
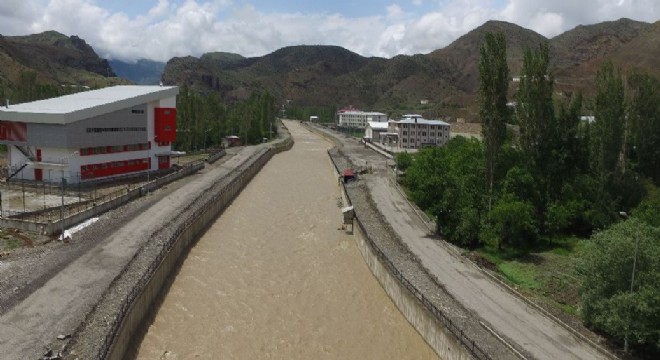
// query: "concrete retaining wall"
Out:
[141,306]
[426,324]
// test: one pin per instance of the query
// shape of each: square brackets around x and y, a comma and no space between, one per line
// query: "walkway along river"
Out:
[275,278]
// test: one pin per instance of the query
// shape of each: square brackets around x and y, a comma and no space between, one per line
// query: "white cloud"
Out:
[192,27]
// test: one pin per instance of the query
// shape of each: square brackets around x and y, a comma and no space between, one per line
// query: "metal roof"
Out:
[422,121]
[83,105]
[377,124]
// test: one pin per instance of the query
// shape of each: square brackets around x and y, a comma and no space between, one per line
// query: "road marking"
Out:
[502,340]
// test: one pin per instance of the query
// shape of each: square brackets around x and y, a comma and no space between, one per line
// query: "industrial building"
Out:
[91,135]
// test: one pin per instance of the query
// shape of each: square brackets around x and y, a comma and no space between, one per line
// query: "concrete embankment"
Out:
[444,323]
[110,328]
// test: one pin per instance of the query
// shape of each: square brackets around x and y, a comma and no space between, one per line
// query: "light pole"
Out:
[624,215]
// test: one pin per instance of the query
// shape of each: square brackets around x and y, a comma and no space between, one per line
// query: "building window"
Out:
[121,129]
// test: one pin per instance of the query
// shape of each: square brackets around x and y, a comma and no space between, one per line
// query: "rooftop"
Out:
[71,108]
[377,125]
[421,121]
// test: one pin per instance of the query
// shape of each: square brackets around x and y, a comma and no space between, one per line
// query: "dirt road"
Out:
[527,329]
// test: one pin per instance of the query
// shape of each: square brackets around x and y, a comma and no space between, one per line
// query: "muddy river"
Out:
[275,278]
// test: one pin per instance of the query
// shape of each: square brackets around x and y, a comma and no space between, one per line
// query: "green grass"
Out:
[520,274]
[10,244]
[545,270]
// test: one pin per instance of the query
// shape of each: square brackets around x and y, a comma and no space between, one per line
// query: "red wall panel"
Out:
[165,124]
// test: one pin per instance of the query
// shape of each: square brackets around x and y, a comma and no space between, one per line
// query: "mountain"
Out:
[641,52]
[463,54]
[141,72]
[55,58]
[581,51]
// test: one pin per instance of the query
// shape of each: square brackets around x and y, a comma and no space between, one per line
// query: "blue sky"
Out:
[161,29]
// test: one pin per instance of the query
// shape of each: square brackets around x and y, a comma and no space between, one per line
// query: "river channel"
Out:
[276,278]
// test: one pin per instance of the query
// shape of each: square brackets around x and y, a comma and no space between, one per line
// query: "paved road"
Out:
[62,302]
[526,327]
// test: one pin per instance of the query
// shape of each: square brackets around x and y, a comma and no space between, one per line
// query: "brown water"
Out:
[275,278]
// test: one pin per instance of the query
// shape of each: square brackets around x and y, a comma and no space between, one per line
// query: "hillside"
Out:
[581,51]
[448,77]
[55,58]
[141,72]
[333,76]
[463,54]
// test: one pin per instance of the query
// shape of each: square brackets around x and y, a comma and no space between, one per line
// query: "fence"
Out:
[198,214]
[467,342]
[49,220]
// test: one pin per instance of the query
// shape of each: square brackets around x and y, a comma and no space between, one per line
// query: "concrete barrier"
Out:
[120,332]
[439,338]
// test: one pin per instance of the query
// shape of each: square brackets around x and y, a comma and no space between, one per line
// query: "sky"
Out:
[161,29]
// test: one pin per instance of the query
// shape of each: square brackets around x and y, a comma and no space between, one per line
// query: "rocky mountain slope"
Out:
[333,76]
[448,77]
[55,58]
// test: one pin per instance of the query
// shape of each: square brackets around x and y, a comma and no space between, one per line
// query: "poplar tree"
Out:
[607,131]
[535,109]
[493,89]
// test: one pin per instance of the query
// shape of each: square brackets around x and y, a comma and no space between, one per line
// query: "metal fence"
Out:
[469,344]
[89,194]
[202,203]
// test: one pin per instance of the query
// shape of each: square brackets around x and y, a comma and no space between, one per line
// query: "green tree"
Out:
[607,131]
[612,300]
[403,160]
[535,109]
[644,120]
[448,182]
[493,89]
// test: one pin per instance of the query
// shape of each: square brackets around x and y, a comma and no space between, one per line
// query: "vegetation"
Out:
[202,120]
[326,114]
[29,88]
[558,178]
[613,299]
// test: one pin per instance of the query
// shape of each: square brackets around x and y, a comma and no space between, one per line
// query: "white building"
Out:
[358,119]
[92,134]
[413,132]
[374,130]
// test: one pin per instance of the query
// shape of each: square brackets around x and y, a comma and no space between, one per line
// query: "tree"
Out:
[614,301]
[644,120]
[403,160]
[448,182]
[607,131]
[535,109]
[493,89]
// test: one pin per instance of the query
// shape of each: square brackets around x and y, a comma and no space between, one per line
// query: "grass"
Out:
[545,270]
[10,243]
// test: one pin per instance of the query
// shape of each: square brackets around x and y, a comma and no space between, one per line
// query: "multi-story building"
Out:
[91,135]
[358,119]
[413,132]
